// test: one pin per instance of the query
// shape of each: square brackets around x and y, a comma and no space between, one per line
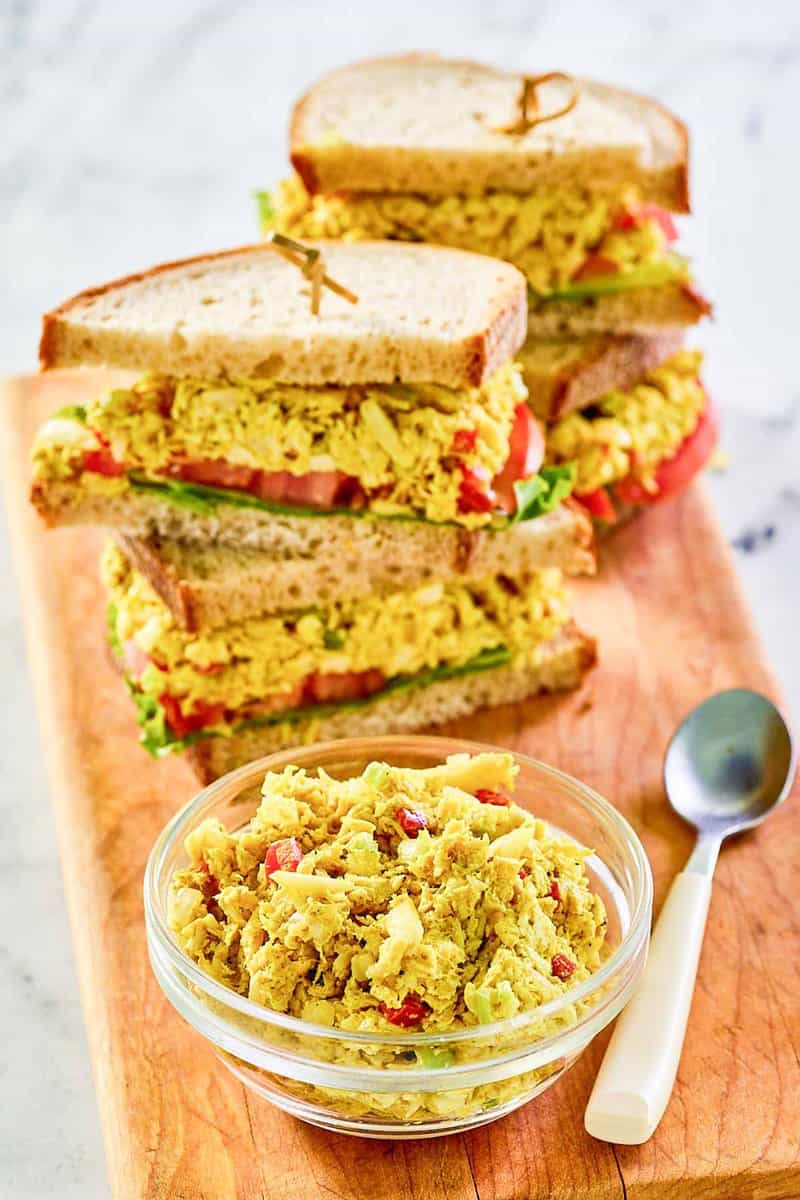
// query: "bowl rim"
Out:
[186,819]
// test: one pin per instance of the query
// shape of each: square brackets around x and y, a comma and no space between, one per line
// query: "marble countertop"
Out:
[139,132]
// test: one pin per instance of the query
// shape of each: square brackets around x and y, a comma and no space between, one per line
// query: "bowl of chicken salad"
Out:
[398,937]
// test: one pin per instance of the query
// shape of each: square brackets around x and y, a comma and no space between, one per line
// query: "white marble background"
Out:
[136,132]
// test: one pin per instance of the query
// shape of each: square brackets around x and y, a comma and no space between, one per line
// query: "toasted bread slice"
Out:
[420,123]
[424,314]
[566,660]
[568,374]
[206,586]
[644,311]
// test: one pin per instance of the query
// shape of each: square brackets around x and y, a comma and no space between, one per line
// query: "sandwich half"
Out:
[642,439]
[236,688]
[572,181]
[384,434]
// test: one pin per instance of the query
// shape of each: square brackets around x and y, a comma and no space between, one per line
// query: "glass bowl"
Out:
[398,1084]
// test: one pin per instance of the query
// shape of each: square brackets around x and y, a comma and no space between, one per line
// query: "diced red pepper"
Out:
[464,440]
[411,821]
[487,796]
[561,966]
[523,872]
[102,462]
[285,855]
[634,218]
[595,266]
[475,494]
[598,504]
[555,891]
[410,1013]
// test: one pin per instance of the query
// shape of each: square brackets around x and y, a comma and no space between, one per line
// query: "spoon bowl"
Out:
[730,763]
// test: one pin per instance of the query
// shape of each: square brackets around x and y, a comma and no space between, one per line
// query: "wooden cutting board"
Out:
[672,629]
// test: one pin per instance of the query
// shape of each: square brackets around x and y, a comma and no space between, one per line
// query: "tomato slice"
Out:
[214,472]
[476,494]
[525,456]
[676,472]
[102,462]
[200,717]
[598,503]
[594,266]
[347,685]
[270,704]
[316,489]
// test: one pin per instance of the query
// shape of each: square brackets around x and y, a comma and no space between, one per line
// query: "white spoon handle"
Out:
[636,1076]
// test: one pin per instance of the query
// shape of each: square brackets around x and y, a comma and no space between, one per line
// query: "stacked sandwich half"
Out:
[572,181]
[329,509]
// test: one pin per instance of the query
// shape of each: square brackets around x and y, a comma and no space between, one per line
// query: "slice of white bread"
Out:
[207,585]
[424,314]
[420,123]
[566,660]
[315,552]
[644,311]
[569,374]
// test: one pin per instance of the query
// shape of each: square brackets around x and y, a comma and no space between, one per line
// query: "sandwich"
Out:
[225,689]
[572,181]
[384,436]
[330,506]
[634,436]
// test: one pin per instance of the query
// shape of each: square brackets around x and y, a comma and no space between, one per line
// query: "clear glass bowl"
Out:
[404,1085]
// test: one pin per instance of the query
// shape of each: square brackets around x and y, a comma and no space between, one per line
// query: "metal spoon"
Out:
[728,765]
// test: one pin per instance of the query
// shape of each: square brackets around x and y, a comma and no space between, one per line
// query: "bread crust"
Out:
[668,186]
[571,655]
[474,358]
[236,585]
[643,311]
[609,362]
[304,560]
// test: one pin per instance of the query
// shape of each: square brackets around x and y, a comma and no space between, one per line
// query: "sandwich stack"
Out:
[328,508]
[572,181]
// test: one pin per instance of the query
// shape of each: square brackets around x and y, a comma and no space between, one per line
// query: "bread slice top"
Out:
[424,314]
[425,124]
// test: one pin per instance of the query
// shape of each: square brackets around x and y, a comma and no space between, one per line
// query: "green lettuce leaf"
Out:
[535,496]
[543,492]
[669,269]
[158,739]
[266,210]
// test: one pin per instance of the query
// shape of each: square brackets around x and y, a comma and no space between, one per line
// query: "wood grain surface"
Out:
[672,629]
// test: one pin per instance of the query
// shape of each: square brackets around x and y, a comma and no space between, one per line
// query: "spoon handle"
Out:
[637,1074]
